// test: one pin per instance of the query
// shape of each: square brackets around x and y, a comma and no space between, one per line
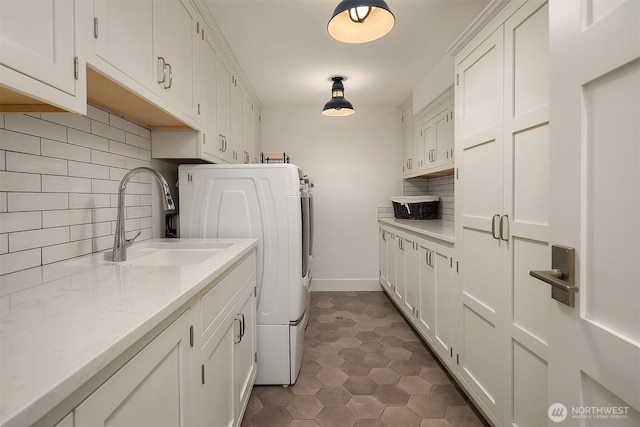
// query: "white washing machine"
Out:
[270,202]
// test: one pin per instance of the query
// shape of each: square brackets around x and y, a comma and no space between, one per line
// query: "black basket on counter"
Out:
[415,207]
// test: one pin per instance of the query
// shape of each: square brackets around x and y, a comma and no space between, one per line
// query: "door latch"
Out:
[562,275]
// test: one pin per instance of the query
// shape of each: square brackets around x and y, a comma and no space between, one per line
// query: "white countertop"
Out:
[434,228]
[57,335]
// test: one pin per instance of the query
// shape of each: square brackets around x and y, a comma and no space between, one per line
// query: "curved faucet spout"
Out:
[120,243]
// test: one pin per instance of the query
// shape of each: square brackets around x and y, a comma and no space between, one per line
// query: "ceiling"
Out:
[286,53]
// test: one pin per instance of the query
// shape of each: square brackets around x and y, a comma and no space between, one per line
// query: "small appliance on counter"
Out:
[415,207]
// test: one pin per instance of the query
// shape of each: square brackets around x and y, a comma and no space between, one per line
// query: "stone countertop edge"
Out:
[38,369]
[432,228]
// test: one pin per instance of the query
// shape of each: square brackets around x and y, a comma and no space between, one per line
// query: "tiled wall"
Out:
[441,186]
[59,175]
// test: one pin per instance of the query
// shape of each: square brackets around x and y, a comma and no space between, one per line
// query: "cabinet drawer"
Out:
[219,299]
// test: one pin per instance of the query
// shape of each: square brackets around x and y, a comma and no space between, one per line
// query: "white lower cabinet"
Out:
[423,286]
[228,368]
[153,388]
[170,383]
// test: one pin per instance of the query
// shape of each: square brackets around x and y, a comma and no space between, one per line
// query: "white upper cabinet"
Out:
[116,25]
[150,48]
[38,56]
[433,135]
[176,29]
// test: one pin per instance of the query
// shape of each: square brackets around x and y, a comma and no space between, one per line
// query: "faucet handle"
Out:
[129,242]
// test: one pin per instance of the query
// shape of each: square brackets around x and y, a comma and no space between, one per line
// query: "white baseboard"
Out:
[320,285]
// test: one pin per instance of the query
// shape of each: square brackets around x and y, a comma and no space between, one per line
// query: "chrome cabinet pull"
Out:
[164,70]
[170,77]
[493,226]
[504,236]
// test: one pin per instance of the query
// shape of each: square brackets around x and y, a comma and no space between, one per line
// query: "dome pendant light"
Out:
[360,21]
[337,106]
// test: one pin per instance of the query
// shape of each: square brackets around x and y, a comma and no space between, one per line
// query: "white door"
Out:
[594,352]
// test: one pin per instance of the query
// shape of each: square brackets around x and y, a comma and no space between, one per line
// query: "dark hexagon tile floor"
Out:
[362,366]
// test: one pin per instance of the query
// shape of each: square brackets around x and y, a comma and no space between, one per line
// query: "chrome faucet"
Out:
[120,243]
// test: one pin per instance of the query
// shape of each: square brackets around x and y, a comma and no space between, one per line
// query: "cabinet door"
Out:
[37,39]
[237,128]
[208,92]
[444,296]
[175,30]
[479,203]
[407,140]
[225,84]
[436,134]
[216,396]
[426,314]
[256,137]
[392,242]
[383,243]
[412,277]
[401,272]
[124,39]
[245,355]
[152,389]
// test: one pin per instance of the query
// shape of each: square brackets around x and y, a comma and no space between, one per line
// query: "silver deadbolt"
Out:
[562,275]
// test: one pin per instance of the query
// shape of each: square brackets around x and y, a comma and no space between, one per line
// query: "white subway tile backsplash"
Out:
[23,240]
[123,149]
[34,126]
[4,243]
[66,217]
[63,150]
[138,211]
[20,142]
[139,141]
[106,131]
[89,231]
[442,186]
[100,186]
[19,162]
[98,114]
[17,202]
[84,139]
[144,132]
[135,163]
[103,243]
[139,188]
[16,261]
[104,214]
[18,221]
[81,201]
[15,181]
[88,170]
[65,184]
[65,251]
[107,159]
[122,124]
[69,120]
[144,155]
[59,176]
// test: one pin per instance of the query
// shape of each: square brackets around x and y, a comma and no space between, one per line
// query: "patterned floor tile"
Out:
[363,366]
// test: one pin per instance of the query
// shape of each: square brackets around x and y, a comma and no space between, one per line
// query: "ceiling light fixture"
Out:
[360,21]
[337,106]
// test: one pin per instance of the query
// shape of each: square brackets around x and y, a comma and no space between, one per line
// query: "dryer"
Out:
[270,202]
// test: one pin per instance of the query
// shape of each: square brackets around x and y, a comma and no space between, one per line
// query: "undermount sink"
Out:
[158,254]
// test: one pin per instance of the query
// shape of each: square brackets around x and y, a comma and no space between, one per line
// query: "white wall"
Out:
[356,165]
[434,83]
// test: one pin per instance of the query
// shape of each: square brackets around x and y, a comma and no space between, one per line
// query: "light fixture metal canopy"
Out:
[360,21]
[337,105]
